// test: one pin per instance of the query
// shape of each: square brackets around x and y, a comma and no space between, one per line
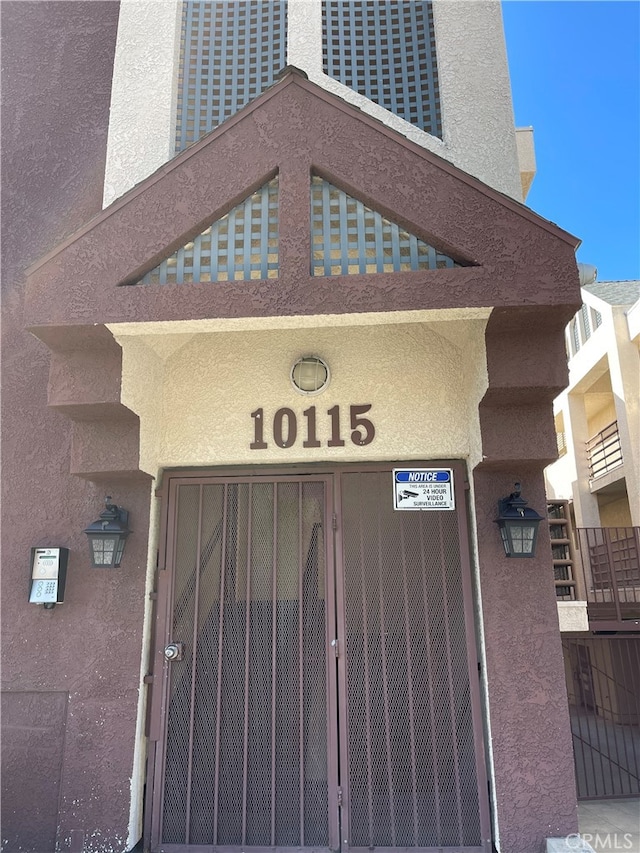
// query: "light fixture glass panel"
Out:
[310,375]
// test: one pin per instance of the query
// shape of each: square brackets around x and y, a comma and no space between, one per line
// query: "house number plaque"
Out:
[284,427]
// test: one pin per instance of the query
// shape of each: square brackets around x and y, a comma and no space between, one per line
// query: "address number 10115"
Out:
[284,427]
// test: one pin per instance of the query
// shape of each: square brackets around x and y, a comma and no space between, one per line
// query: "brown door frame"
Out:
[338,798]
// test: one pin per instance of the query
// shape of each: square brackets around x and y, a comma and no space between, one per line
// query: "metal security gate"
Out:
[603,687]
[316,650]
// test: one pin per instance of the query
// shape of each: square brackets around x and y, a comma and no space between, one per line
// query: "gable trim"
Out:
[293,76]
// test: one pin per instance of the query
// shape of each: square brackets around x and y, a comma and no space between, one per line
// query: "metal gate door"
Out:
[411,740]
[318,694]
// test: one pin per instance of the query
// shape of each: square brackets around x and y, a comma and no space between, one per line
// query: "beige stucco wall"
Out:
[475,92]
[605,416]
[195,391]
[604,385]
[615,513]
[143,93]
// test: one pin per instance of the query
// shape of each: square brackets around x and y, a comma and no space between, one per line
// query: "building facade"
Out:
[268,267]
[594,491]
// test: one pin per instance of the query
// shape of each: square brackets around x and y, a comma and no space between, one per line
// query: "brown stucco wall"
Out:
[75,670]
[533,759]
[70,675]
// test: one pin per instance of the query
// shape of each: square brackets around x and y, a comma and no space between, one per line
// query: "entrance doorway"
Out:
[322,691]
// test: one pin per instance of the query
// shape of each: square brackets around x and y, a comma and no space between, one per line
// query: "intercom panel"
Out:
[48,575]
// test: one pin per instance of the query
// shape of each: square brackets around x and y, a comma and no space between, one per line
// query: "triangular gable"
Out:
[349,238]
[507,254]
[241,246]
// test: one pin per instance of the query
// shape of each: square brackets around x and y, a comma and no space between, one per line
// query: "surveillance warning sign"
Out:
[423,488]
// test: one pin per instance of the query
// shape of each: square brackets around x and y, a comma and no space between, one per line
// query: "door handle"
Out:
[174,651]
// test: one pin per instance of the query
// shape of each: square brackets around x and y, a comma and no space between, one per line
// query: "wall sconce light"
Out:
[518,525]
[107,536]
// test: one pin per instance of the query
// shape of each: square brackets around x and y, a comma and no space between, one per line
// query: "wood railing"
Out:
[609,571]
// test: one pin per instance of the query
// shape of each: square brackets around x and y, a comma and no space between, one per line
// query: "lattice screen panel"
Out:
[387,52]
[246,759]
[242,245]
[230,52]
[349,238]
[412,771]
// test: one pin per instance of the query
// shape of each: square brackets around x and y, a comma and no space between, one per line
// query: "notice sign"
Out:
[423,488]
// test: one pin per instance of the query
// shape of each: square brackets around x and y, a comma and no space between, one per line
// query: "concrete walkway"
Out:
[610,825]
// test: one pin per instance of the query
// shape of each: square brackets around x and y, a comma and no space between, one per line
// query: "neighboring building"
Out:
[594,494]
[313,267]
[598,415]
[594,506]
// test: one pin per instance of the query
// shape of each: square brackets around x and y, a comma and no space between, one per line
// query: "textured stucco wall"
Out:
[533,779]
[475,91]
[70,675]
[424,382]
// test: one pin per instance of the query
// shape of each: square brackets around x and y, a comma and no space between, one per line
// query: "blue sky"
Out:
[575,76]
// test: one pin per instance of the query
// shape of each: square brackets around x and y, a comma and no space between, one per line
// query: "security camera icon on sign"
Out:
[405,493]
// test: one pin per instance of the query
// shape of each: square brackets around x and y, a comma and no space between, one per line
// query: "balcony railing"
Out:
[604,451]
[609,572]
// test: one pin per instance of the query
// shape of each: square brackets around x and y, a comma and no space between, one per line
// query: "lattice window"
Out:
[242,245]
[230,52]
[350,238]
[387,52]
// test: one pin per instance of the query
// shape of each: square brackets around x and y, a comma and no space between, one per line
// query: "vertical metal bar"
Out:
[367,678]
[604,690]
[634,715]
[412,730]
[165,625]
[460,487]
[385,686]
[300,666]
[194,653]
[245,747]
[432,720]
[452,711]
[635,564]
[274,646]
[337,715]
[223,560]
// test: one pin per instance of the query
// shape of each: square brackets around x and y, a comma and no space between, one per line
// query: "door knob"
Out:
[174,651]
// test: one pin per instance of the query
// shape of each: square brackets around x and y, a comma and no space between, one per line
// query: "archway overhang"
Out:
[514,262]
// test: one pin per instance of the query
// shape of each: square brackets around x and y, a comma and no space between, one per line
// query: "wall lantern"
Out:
[518,525]
[107,536]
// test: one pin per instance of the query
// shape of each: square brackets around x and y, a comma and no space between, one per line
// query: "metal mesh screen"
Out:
[230,52]
[387,52]
[247,723]
[349,238]
[412,772]
[240,246]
